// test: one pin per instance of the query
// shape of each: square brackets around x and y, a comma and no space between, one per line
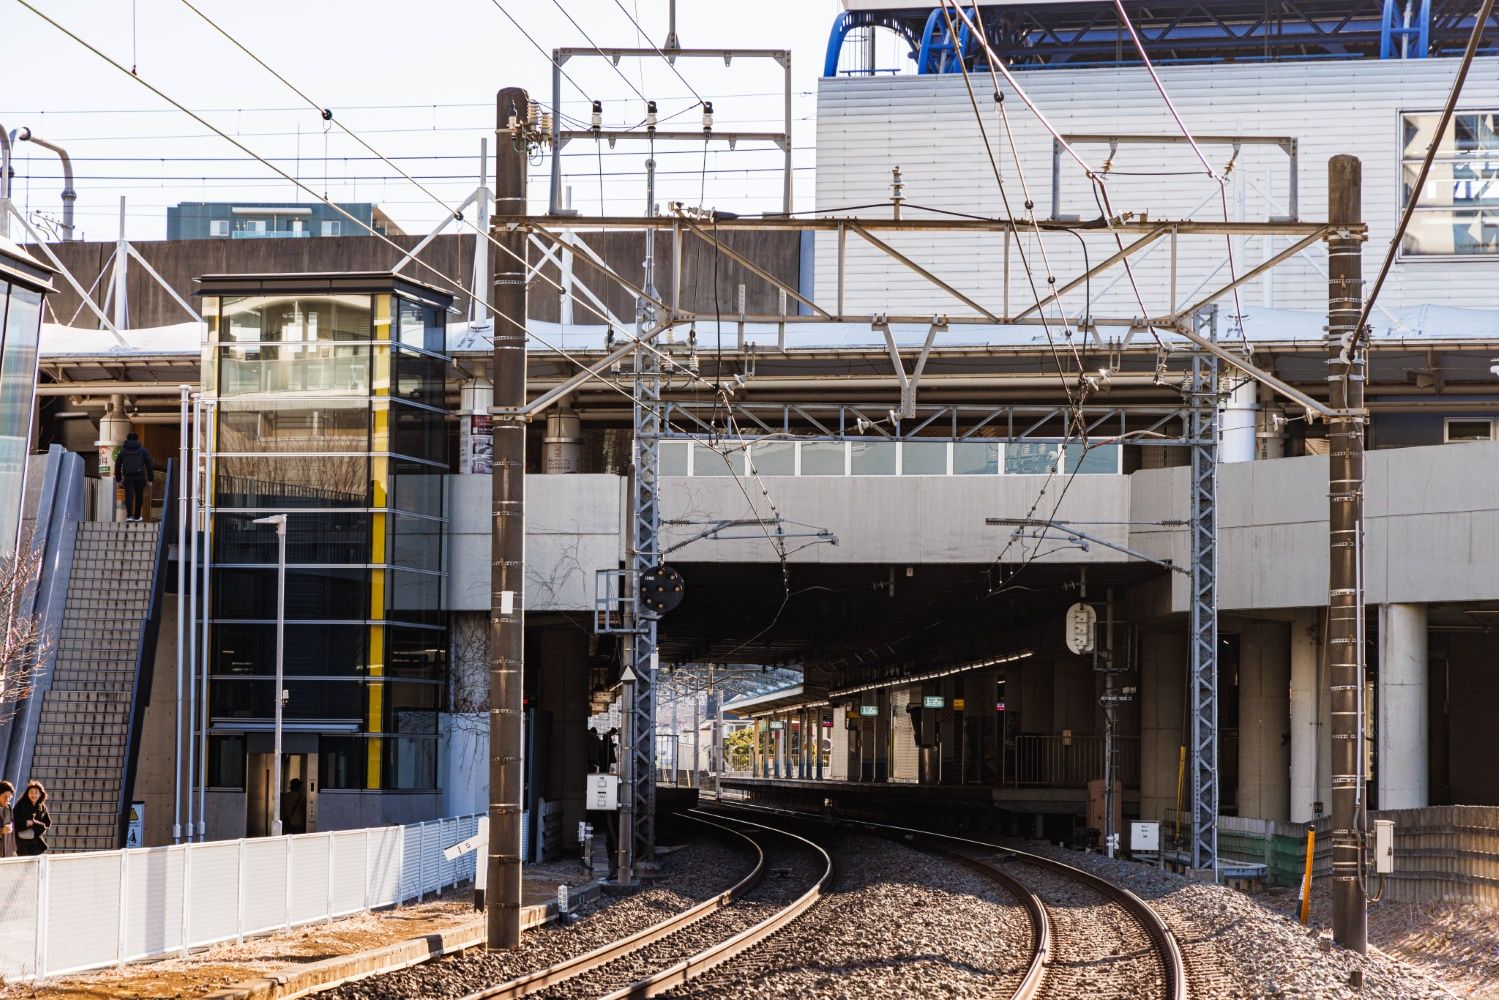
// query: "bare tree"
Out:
[24,642]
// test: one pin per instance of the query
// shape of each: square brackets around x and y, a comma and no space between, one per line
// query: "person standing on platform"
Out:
[133,468]
[7,821]
[32,820]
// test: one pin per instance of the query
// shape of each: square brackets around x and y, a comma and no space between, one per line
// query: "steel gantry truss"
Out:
[1203,601]
[1194,425]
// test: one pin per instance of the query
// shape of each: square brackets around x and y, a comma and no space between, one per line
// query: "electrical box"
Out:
[1144,837]
[1384,846]
[603,792]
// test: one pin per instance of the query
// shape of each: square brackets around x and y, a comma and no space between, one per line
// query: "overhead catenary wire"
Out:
[481,232]
[1485,11]
[639,345]
[669,64]
[1160,86]
[337,208]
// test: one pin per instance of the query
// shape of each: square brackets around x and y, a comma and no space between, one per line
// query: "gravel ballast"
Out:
[698,871]
[900,923]
[1236,948]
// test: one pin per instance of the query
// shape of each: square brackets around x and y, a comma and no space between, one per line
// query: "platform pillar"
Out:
[1264,721]
[1311,767]
[1163,678]
[1402,741]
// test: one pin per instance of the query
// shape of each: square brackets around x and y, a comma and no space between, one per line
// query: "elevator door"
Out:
[299,808]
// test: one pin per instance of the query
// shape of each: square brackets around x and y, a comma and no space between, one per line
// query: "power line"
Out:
[443,277]
[1410,208]
[612,64]
[669,64]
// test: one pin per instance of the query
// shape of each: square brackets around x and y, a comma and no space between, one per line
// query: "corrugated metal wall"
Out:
[926,125]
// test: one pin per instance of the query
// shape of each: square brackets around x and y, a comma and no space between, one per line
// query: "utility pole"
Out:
[507,615]
[644,554]
[1345,599]
[1203,600]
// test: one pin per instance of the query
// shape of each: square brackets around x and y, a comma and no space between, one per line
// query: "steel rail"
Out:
[534,982]
[689,968]
[1035,973]
[1173,965]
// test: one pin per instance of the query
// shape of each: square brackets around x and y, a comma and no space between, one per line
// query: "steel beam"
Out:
[1203,601]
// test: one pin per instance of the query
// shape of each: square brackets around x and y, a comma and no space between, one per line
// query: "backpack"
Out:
[133,463]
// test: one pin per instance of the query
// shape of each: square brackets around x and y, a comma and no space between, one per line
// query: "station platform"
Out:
[997,809]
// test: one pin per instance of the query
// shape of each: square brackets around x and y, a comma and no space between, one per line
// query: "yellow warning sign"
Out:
[957,704]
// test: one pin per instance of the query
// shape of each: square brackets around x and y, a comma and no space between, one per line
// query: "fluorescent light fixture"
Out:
[933,674]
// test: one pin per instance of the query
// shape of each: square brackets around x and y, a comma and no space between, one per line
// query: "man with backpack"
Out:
[133,468]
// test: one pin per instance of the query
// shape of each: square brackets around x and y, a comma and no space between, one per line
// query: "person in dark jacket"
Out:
[7,821]
[133,468]
[32,820]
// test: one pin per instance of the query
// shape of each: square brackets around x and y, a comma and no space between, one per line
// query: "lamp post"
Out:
[279,520]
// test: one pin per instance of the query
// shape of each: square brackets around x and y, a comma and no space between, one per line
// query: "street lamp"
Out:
[279,520]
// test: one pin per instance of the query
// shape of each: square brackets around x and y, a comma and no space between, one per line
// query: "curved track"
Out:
[1048,956]
[682,970]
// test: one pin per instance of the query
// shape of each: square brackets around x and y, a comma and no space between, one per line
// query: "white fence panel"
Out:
[83,911]
[263,885]
[213,893]
[21,916]
[310,892]
[447,836]
[411,862]
[68,913]
[153,901]
[387,850]
[350,862]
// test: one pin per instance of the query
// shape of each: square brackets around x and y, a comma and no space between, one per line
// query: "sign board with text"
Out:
[603,792]
[1082,620]
[869,711]
[933,701]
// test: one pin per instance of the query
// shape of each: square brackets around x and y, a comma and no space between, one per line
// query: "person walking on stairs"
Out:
[134,467]
[32,820]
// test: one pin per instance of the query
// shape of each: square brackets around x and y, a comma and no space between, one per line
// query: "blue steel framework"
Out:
[1174,31]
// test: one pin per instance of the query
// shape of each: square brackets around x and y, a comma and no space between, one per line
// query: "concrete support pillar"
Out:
[1311,765]
[1264,721]
[1403,746]
[1163,679]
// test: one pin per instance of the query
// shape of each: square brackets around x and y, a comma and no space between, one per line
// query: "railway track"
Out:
[660,947]
[1089,937]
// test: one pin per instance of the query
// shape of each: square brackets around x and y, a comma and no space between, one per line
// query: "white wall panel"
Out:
[83,911]
[926,125]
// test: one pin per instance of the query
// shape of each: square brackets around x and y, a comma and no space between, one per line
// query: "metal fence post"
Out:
[421,861]
[124,905]
[368,870]
[239,894]
[286,845]
[328,895]
[41,915]
[187,894]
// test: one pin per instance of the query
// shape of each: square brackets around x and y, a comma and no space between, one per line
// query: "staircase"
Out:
[83,744]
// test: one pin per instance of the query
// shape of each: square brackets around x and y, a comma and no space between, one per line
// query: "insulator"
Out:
[546,122]
[598,115]
[694,365]
[707,117]
[513,124]
[650,116]
[533,113]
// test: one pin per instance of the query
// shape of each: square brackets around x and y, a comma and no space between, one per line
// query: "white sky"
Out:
[415,80]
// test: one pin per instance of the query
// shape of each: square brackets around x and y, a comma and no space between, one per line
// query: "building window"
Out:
[333,227]
[218,227]
[1457,212]
[1467,429]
